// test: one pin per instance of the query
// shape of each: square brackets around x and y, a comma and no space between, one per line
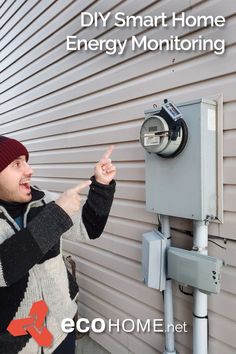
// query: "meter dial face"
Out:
[164,131]
[154,134]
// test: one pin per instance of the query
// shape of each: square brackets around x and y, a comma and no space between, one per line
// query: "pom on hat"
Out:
[10,149]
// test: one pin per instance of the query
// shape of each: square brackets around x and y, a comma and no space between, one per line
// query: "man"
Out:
[31,263]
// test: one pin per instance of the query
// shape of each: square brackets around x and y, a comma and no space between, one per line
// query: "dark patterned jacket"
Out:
[32,266]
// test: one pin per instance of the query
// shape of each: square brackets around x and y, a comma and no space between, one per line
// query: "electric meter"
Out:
[164,132]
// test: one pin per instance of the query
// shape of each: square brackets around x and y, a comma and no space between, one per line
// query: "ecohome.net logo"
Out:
[128,325]
[34,325]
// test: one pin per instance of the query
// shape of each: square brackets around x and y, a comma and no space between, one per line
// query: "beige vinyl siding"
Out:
[68,107]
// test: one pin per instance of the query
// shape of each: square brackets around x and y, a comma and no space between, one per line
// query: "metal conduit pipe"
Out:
[168,299]
[200,320]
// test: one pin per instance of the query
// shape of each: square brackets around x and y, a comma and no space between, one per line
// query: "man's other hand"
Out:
[104,170]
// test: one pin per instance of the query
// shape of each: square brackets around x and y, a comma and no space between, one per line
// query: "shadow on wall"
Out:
[85,345]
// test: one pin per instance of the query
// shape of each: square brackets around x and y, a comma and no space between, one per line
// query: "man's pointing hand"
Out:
[70,200]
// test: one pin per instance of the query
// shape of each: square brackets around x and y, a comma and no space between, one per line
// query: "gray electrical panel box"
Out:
[186,185]
[194,269]
[154,259]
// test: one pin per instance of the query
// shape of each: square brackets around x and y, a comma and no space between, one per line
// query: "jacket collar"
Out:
[37,194]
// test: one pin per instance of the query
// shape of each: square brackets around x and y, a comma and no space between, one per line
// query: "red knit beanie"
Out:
[10,149]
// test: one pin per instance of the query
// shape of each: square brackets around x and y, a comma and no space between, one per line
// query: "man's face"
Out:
[15,181]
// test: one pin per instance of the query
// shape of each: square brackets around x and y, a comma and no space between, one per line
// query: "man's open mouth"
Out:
[26,185]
